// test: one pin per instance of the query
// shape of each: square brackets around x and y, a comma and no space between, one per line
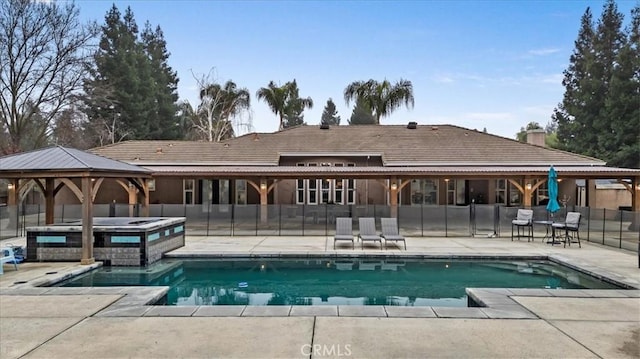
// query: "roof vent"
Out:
[324,126]
[159,150]
[256,137]
[434,128]
[412,125]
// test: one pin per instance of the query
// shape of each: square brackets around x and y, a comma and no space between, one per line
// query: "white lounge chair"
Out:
[390,231]
[7,256]
[367,231]
[344,231]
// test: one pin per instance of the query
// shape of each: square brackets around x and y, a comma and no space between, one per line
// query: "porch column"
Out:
[49,202]
[87,222]
[264,190]
[527,192]
[12,202]
[393,197]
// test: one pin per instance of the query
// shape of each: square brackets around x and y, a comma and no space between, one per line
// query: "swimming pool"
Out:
[335,282]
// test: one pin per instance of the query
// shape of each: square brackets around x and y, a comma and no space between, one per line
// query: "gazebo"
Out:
[55,167]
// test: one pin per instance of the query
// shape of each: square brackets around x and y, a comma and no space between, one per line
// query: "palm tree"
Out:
[276,98]
[284,101]
[218,105]
[381,97]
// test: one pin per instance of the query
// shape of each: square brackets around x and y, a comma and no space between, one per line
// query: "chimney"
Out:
[536,137]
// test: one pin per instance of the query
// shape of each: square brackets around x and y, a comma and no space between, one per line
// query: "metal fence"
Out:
[616,228]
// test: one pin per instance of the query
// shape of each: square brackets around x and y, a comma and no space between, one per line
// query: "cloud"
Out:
[443,79]
[543,52]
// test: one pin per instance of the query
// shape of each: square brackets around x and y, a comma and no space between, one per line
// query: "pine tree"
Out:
[572,115]
[599,114]
[330,114]
[166,123]
[132,91]
[623,103]
[362,114]
[295,106]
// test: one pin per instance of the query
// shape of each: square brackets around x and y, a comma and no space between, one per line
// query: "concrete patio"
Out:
[40,322]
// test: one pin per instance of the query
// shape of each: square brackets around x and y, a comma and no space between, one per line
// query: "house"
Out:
[395,165]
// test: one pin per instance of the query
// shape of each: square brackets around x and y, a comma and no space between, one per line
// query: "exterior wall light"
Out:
[263,185]
[394,186]
[10,186]
[529,186]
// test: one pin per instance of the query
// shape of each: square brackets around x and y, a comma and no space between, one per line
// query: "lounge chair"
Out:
[571,225]
[344,231]
[523,220]
[368,231]
[7,256]
[390,231]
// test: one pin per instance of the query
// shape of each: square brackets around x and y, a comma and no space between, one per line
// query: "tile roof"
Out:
[60,158]
[396,144]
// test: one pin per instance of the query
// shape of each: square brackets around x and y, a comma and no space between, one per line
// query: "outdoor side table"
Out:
[549,236]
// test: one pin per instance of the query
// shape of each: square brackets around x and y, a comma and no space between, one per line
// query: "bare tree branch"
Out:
[43,55]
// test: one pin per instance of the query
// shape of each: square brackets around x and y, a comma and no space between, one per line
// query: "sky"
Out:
[476,64]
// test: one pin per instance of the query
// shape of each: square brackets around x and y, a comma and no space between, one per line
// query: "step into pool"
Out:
[335,282]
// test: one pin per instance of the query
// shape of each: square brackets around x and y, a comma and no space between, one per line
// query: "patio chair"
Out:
[571,227]
[344,231]
[390,231]
[524,221]
[7,256]
[368,231]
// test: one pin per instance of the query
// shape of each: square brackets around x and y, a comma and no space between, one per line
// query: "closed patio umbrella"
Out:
[552,184]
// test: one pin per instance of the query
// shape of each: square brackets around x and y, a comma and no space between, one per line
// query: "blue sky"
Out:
[476,64]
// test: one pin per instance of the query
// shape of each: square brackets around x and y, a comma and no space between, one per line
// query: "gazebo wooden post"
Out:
[49,200]
[87,222]
[145,186]
[131,190]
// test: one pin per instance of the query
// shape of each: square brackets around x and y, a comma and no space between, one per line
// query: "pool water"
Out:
[335,282]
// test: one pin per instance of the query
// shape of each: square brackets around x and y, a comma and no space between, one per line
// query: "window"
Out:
[312,189]
[241,192]
[424,191]
[501,191]
[338,188]
[542,194]
[515,197]
[187,191]
[351,187]
[300,186]
[451,191]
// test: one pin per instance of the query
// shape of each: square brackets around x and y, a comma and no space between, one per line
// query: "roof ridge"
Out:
[66,150]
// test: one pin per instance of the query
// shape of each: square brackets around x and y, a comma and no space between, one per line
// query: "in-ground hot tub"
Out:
[117,241]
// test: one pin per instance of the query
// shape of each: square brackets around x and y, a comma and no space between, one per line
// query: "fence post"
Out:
[280,219]
[604,223]
[446,218]
[257,214]
[422,218]
[588,224]
[208,216]
[620,233]
[472,218]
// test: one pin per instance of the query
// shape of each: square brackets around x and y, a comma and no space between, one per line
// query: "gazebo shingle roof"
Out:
[60,158]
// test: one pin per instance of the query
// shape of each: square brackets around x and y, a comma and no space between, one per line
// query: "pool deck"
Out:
[38,322]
